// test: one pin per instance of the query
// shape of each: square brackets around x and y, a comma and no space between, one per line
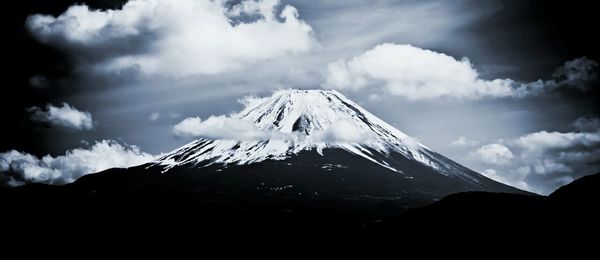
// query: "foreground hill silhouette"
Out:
[43,208]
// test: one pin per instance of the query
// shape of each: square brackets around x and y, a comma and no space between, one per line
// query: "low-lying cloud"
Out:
[220,127]
[416,74]
[17,168]
[232,128]
[65,116]
[341,131]
[176,38]
[542,161]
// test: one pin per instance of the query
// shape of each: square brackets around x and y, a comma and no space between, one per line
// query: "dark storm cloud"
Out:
[587,123]
[579,75]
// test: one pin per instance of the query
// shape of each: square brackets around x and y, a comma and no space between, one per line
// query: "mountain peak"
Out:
[305,111]
[303,120]
[305,92]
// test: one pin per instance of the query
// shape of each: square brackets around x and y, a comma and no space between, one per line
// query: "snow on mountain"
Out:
[292,121]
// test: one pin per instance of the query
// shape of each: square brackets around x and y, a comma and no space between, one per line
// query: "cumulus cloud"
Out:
[18,168]
[66,116]
[542,161]
[176,38]
[464,142]
[493,154]
[415,73]
[551,153]
[220,127]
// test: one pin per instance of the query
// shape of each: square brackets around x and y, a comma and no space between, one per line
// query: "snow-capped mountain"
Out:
[298,120]
[317,143]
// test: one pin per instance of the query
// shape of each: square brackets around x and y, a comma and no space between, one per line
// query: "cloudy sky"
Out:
[507,88]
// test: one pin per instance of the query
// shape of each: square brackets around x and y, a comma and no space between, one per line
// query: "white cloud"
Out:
[489,172]
[414,73]
[20,168]
[341,131]
[464,142]
[220,127]
[551,153]
[252,101]
[231,128]
[537,143]
[412,143]
[176,38]
[493,154]
[66,116]
[154,116]
[516,178]
[543,161]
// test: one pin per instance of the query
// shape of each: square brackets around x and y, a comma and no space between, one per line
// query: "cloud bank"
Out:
[220,127]
[65,116]
[176,38]
[417,74]
[231,128]
[341,131]
[17,168]
[542,161]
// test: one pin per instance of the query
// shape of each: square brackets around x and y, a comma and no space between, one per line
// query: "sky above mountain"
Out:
[507,88]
